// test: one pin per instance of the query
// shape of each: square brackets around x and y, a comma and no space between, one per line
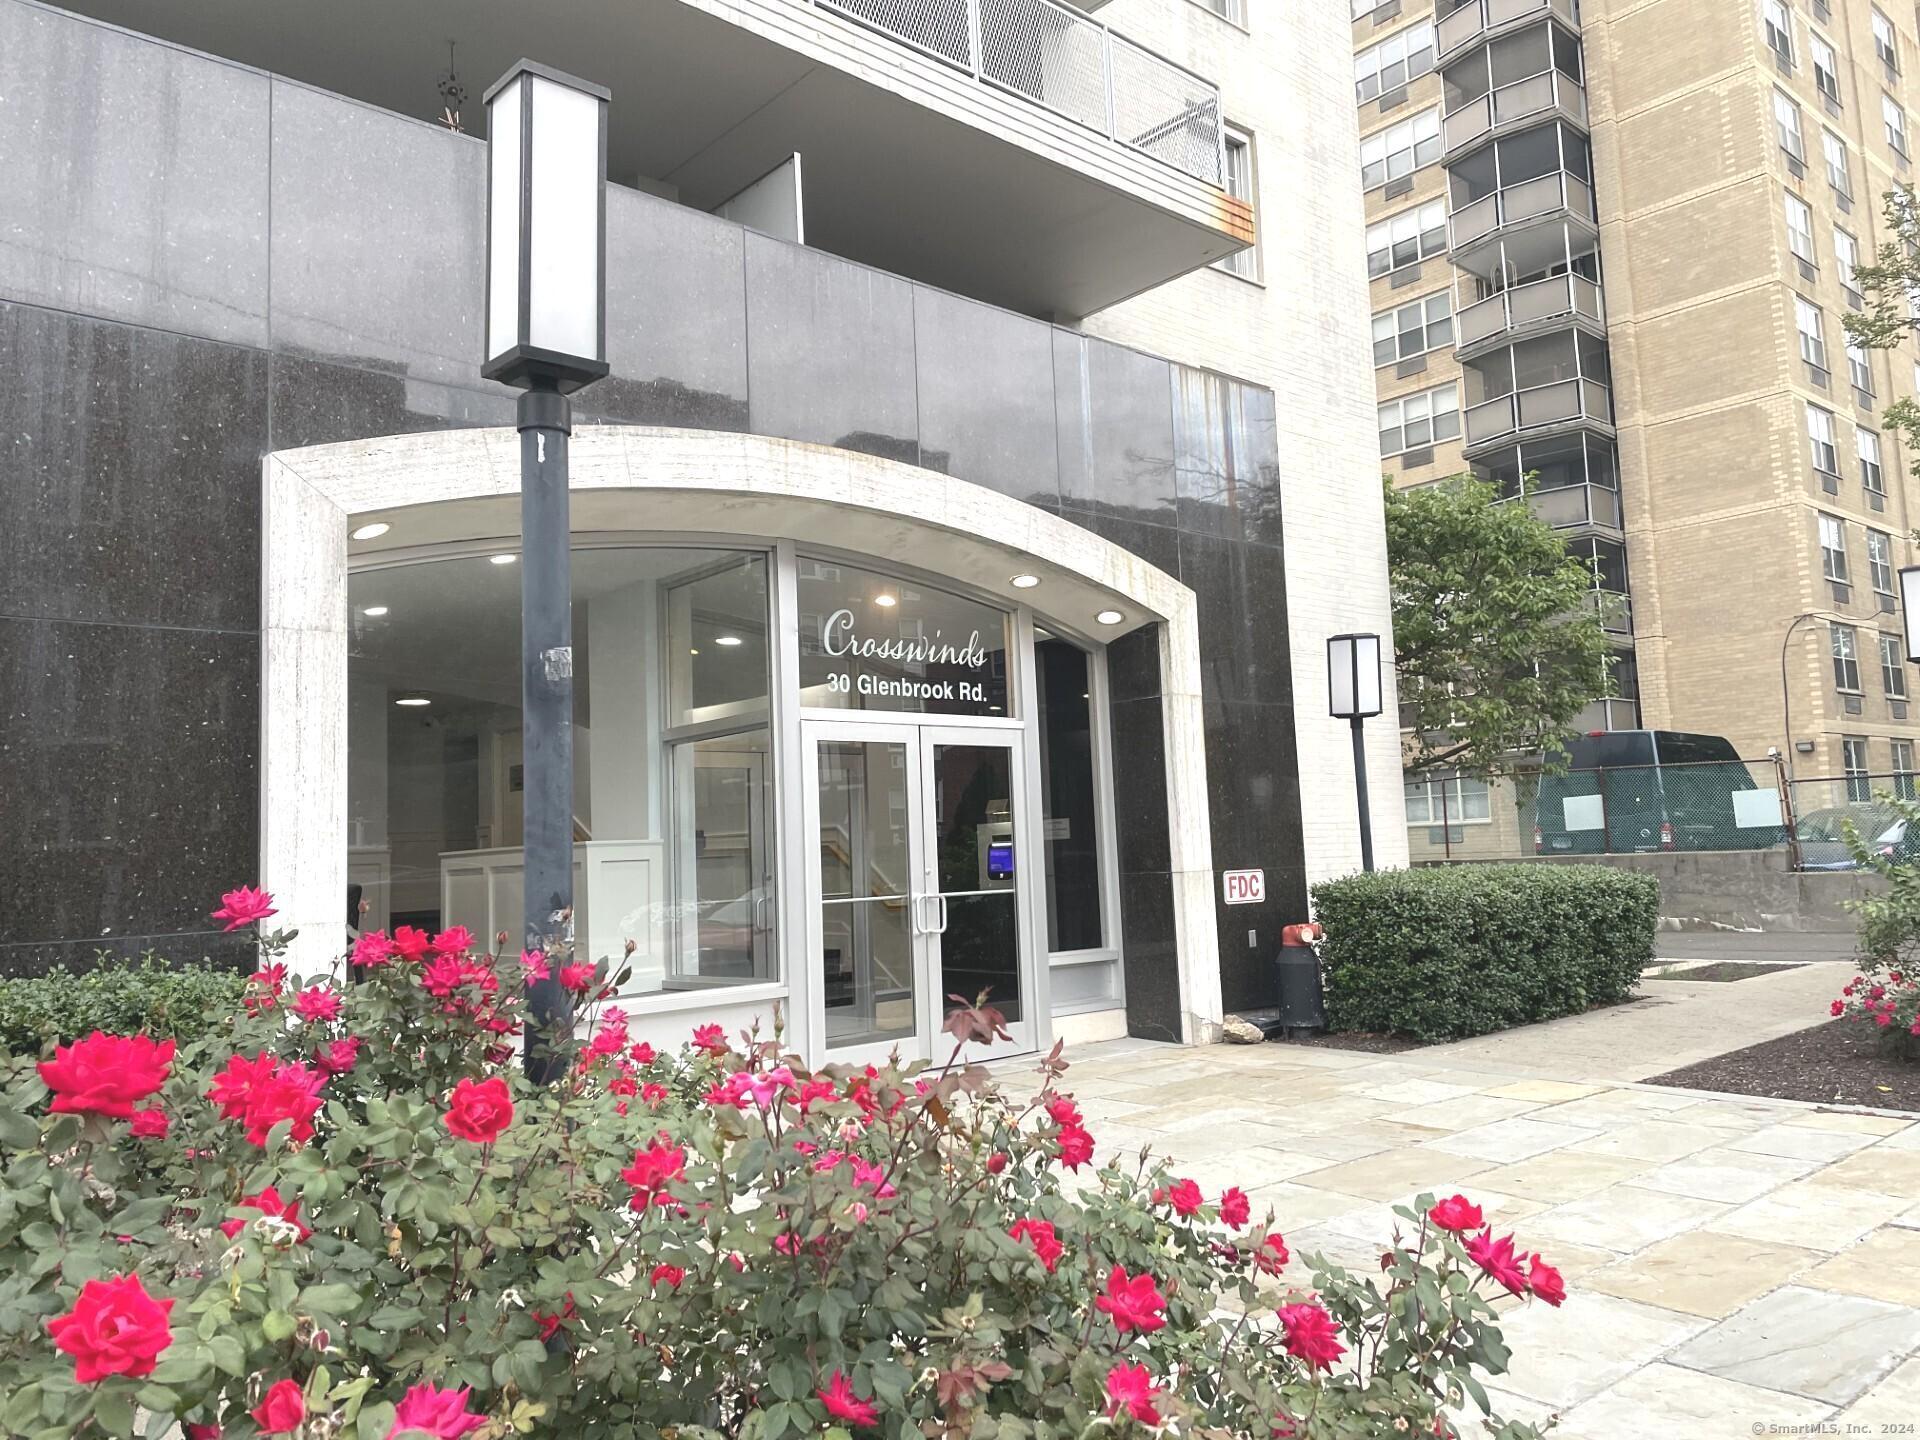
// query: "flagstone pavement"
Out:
[1734,1266]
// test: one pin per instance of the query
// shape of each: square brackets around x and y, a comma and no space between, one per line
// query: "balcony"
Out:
[1524,227]
[1575,507]
[1016,151]
[1483,19]
[1558,405]
[1549,94]
[1527,309]
[1614,609]
[1607,715]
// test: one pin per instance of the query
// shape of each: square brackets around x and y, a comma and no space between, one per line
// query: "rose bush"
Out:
[359,1219]
[1886,992]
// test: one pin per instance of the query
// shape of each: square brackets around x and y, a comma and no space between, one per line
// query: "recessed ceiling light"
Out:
[694,651]
[727,640]
[373,531]
[413,700]
[885,602]
[374,612]
[1109,617]
[503,559]
[1024,582]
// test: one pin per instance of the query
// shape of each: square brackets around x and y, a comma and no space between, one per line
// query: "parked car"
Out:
[1628,791]
[1823,845]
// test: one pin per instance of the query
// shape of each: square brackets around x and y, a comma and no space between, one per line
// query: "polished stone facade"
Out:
[265,266]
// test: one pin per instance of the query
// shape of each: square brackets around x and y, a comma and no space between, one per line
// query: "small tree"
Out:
[1891,285]
[1497,644]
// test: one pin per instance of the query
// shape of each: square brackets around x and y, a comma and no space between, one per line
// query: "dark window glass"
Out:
[1066,798]
[875,642]
[1679,749]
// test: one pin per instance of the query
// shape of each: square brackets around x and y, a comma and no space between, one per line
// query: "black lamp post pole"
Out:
[546,690]
[1360,788]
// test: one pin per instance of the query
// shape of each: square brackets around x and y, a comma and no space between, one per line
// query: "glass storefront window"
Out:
[874,642]
[673,785]
[1067,797]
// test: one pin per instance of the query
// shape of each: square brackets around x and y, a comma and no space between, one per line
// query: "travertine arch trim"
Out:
[628,478]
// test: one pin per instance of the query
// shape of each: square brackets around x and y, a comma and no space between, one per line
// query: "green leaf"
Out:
[113,1410]
[228,1355]
[277,1325]
[333,1300]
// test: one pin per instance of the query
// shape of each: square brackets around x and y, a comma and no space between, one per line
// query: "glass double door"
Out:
[915,886]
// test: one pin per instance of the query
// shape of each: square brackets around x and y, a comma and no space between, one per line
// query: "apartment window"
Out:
[1846,658]
[1407,238]
[1239,183]
[1858,370]
[1867,445]
[1893,669]
[1800,229]
[1400,149]
[1846,259]
[1777,26]
[1903,784]
[1885,44]
[1838,174]
[1405,55]
[1853,759]
[1826,459]
[1880,561]
[1813,343]
[1232,11]
[1416,420]
[1448,800]
[1786,125]
[1826,69]
[1833,548]
[1413,329]
[1896,121]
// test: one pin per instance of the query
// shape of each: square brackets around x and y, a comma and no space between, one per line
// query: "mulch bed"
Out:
[1839,1063]
[1359,1040]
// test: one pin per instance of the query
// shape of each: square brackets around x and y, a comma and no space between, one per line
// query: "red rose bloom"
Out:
[244,906]
[843,1404]
[281,1409]
[267,1202]
[712,1039]
[1131,1388]
[576,977]
[1062,1110]
[114,1328]
[652,1094]
[433,1411]
[1544,1281]
[668,1275]
[410,943]
[1271,1254]
[1183,1195]
[262,1092]
[1076,1146]
[1311,1335]
[623,1085]
[1235,1209]
[549,1322]
[1038,1236]
[642,1053]
[1133,1301]
[372,948]
[652,1170]
[1457,1214]
[479,1111]
[1496,1257]
[1839,1007]
[996,1162]
[317,1004]
[454,940]
[106,1074]
[201,1432]
[150,1124]
[337,1057]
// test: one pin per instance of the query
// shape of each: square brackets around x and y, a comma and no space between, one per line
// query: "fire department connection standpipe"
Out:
[1303,1006]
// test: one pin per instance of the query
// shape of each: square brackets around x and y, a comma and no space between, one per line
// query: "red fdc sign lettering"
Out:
[1243,887]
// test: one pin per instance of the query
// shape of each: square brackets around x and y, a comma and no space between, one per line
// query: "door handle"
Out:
[941,929]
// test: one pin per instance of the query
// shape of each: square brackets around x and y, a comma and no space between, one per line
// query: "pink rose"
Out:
[150,1124]
[1497,1259]
[842,1404]
[1131,1388]
[245,906]
[1456,1213]
[479,1111]
[114,1328]
[1134,1302]
[1038,1237]
[106,1074]
[317,1004]
[1311,1335]
[440,1413]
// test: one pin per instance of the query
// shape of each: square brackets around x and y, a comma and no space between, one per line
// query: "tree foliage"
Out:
[1497,642]
[1891,285]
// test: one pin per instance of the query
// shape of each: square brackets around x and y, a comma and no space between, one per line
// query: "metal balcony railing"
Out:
[1550,92]
[1542,300]
[1481,17]
[1515,204]
[1574,507]
[1614,609]
[1538,406]
[1058,57]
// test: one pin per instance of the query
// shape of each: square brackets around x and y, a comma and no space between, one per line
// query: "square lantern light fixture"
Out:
[1910,609]
[546,230]
[1353,676]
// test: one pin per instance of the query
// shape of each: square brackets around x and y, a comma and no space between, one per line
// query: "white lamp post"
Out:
[547,336]
[1353,695]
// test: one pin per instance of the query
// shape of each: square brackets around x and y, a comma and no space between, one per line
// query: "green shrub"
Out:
[147,996]
[1446,953]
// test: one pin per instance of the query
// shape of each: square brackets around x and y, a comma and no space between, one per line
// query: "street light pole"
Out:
[1354,695]
[547,336]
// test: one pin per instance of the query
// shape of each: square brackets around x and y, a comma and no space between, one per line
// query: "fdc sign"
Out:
[1243,887]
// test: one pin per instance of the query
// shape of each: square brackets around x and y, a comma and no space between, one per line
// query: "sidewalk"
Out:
[1731,1264]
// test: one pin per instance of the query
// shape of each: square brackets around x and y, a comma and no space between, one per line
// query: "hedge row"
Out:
[147,996]
[1442,954]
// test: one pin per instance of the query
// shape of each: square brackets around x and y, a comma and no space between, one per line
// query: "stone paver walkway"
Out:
[1731,1264]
